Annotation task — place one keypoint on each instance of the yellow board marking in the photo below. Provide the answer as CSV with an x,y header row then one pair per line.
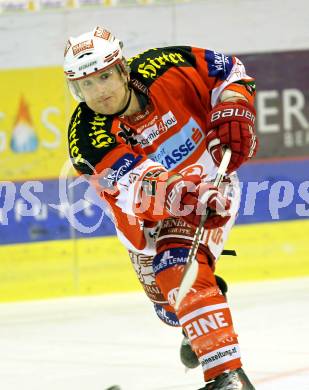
x,y
267,251
36,103
101,265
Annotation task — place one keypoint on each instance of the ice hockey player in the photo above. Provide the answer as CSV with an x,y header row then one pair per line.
x,y
148,133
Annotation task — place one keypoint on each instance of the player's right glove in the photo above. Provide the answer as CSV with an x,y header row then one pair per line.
x,y
188,198
232,124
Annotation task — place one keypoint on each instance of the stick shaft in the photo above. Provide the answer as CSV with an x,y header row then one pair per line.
x,y
188,278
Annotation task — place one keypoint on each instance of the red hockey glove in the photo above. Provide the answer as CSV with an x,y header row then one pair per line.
x,y
188,199
232,124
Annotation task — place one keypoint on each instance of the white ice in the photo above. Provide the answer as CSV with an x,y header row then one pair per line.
x,y
92,343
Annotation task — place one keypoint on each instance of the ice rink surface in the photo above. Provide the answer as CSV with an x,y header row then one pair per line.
x,y
92,343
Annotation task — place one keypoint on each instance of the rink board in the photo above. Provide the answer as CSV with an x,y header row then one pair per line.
x,y
42,256
101,265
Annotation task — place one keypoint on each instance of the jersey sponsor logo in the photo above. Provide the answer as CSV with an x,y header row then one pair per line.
x,y
150,67
168,317
205,324
120,168
180,146
150,134
170,258
145,126
74,149
99,136
125,164
143,267
140,86
219,356
219,65
169,119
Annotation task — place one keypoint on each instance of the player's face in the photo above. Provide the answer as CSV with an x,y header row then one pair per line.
x,y
105,92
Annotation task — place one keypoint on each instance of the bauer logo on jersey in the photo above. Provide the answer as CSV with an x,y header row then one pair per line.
x,y
150,134
219,65
180,146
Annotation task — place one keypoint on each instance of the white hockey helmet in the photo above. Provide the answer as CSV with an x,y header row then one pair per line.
x,y
89,53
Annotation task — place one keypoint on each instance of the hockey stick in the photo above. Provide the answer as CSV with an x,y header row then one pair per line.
x,y
191,268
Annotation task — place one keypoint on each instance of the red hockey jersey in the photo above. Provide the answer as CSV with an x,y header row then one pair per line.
x,y
181,85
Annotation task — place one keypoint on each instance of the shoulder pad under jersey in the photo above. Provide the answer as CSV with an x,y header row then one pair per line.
x,y
89,138
153,63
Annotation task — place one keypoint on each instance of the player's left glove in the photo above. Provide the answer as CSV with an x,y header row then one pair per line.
x,y
232,124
